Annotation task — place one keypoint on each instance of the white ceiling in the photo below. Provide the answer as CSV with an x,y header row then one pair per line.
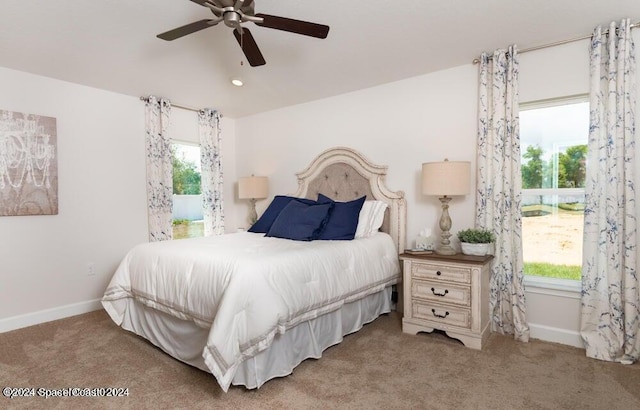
x,y
112,44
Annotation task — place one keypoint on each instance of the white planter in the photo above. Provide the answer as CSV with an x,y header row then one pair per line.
x,y
475,249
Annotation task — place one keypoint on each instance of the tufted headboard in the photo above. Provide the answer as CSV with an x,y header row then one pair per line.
x,y
343,174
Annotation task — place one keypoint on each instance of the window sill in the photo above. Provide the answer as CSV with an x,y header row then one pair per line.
x,y
553,286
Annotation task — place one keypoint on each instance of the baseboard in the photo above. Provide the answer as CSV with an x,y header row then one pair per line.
x,y
555,335
47,315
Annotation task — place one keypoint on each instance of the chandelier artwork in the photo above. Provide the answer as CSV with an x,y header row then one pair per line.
x,y
28,164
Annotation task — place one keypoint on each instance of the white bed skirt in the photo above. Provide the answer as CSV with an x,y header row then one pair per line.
x,y
185,341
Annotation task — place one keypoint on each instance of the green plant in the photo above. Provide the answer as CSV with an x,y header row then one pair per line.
x,y
181,222
472,235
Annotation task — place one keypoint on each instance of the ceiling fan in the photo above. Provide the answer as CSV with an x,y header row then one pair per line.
x,y
235,12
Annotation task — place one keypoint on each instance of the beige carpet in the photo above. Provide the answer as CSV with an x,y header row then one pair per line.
x,y
378,367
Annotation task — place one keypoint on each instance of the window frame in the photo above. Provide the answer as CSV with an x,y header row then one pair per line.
x,y
530,280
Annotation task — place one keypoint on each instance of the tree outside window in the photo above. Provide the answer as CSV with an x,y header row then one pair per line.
x,y
570,171
186,174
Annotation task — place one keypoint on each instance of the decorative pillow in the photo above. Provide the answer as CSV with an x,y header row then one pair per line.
x,y
300,221
370,218
263,224
343,220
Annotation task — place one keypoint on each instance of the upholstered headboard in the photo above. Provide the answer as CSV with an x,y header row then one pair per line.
x,y
344,174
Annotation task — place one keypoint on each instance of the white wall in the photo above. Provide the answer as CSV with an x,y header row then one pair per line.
x,y
406,123
102,198
102,212
401,125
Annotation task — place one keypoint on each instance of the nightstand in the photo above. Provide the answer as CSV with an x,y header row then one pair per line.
x,y
449,293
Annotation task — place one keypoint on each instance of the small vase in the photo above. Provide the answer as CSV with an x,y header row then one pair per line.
x,y
475,249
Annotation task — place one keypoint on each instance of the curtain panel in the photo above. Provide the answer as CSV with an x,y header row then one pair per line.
x,y
499,186
610,317
212,175
159,169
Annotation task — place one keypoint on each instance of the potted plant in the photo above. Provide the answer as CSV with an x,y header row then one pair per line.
x,y
476,242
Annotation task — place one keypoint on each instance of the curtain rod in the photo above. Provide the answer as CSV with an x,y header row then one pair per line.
x,y
557,43
184,107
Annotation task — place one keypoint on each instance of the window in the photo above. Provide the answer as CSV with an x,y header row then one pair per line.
x,y
187,198
553,138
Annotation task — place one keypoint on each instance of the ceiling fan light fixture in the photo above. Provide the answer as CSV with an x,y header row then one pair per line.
x,y
237,82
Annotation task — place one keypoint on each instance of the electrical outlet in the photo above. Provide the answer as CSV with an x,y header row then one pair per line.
x,y
91,269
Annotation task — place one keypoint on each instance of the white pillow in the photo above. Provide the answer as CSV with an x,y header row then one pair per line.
x,y
370,218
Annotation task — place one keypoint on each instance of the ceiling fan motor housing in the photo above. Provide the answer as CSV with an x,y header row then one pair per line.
x,y
232,19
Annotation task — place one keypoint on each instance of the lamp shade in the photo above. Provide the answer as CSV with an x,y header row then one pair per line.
x,y
446,178
253,187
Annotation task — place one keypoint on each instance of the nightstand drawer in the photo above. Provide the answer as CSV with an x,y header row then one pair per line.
x,y
443,314
422,270
441,292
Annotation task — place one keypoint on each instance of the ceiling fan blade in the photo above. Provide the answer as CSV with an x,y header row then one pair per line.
x,y
249,47
187,29
294,26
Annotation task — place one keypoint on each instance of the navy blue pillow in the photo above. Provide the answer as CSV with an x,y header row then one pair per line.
x,y
343,221
300,221
263,224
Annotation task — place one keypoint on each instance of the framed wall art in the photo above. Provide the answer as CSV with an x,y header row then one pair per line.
x,y
28,164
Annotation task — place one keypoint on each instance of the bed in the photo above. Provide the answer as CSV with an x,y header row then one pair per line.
x,y
270,303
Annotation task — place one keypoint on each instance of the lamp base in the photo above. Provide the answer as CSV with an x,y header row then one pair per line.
x,y
445,224
253,215
446,250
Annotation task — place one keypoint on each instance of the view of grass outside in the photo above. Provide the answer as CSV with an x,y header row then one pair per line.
x,y
549,270
554,147
183,228
552,240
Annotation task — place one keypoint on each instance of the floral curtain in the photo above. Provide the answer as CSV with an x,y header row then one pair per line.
x,y
211,163
499,188
159,169
610,289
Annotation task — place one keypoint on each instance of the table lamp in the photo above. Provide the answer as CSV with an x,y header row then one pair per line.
x,y
253,188
446,179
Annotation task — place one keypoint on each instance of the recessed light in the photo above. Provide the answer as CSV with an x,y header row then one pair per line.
x,y
237,82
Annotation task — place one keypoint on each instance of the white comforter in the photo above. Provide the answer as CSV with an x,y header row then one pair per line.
x,y
246,288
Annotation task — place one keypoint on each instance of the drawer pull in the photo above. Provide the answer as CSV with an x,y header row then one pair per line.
x,y
439,294
438,273
440,316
